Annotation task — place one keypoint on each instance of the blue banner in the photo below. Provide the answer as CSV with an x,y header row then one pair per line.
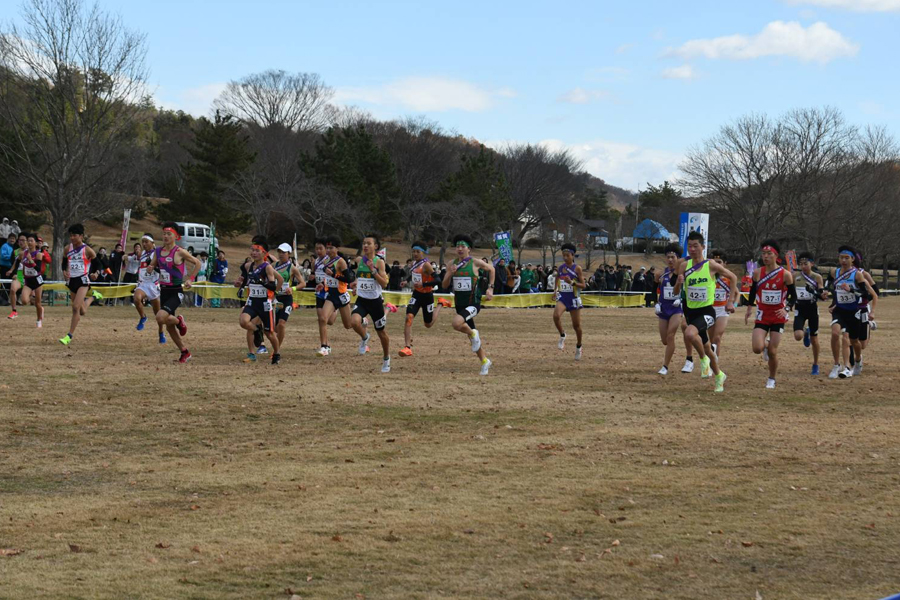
x,y
503,241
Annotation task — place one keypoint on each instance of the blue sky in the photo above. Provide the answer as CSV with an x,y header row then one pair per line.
x,y
627,86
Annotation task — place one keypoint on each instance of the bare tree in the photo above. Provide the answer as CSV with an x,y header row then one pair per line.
x,y
295,101
71,79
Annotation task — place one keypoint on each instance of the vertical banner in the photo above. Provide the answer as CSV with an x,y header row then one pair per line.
x,y
693,222
213,252
791,260
126,222
294,248
504,245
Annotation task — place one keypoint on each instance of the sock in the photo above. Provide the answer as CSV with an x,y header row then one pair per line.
x,y
484,361
578,345
689,358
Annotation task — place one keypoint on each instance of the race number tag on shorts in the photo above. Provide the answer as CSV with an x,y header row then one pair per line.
x,y
417,279
462,284
345,298
365,285
565,286
721,295
267,306
697,294
577,303
771,296
165,277
846,297
759,315
668,293
803,293
863,316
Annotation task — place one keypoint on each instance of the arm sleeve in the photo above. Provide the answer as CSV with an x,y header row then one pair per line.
x,y
270,285
752,299
791,295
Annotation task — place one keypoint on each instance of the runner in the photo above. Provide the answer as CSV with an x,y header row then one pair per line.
x,y
170,261
262,281
77,271
849,285
723,293
322,261
568,287
866,315
424,280
337,298
668,308
32,260
774,294
291,277
696,279
810,289
467,294
148,286
371,278
18,280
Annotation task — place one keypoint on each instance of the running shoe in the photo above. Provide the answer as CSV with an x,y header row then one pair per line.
x,y
364,344
857,368
276,358
663,371
258,336
65,341
182,326
486,366
835,372
476,340
765,354
815,370
386,365
688,366
13,315
141,323
720,382
391,307
807,341
322,351
704,367
262,349
446,303
562,342
578,353
406,351
185,356
162,338
846,374
97,295
40,324
251,358
770,384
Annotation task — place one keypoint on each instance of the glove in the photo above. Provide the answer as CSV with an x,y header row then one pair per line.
x,y
658,308
676,302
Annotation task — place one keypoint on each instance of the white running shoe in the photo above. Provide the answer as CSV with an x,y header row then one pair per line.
x,y
770,384
562,342
40,324
578,353
476,341
857,368
322,351
688,367
663,371
486,366
386,365
835,371
766,354
845,374
364,344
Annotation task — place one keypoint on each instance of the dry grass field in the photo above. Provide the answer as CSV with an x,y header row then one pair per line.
x,y
123,475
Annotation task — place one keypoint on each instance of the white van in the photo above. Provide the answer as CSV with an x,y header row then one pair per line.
x,y
195,237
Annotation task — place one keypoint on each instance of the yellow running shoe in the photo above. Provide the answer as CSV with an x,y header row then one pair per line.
x,y
704,367
720,381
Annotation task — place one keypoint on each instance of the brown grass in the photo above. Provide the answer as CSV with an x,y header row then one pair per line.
x,y
124,475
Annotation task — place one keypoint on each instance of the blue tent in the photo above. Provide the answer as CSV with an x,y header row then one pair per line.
x,y
650,229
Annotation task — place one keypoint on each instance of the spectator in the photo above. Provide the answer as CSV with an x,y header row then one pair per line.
x,y
511,274
528,278
611,283
600,278
650,293
638,284
115,261
5,228
14,228
395,277
626,279
541,278
201,275
133,264
7,252
220,268
517,281
500,278
306,272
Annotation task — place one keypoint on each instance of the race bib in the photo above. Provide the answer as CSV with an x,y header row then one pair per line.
x,y
320,277
30,272
577,303
257,291
331,282
565,286
721,295
267,306
366,285
770,297
697,294
286,288
803,294
846,297
863,316
40,280
345,298
462,284
165,277
417,279
668,293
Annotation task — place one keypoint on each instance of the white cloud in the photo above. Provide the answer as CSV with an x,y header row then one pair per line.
x,y
426,94
583,96
623,165
624,48
196,101
605,74
854,5
682,72
816,43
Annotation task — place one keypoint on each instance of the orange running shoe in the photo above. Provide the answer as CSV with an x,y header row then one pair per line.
x,y
406,351
443,302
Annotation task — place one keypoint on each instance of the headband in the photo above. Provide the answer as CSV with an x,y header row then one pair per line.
x,y
173,232
421,249
848,253
258,247
463,243
147,237
770,249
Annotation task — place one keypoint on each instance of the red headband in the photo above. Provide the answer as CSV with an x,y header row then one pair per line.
x,y
770,249
260,248
173,232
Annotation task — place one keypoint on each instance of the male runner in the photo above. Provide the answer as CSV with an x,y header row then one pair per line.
x,y
866,315
424,280
291,277
322,262
32,261
170,261
148,286
723,293
337,298
774,294
76,269
810,289
668,307
262,281
371,279
568,286
463,275
17,274
696,278
849,285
